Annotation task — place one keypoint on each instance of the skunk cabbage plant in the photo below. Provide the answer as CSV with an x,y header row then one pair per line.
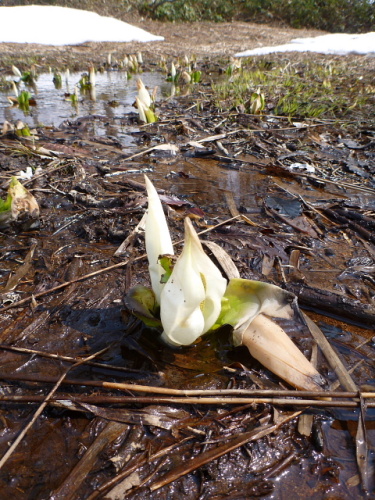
x,y
144,104
190,301
143,94
193,297
19,201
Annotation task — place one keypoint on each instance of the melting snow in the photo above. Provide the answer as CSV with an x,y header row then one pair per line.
x,y
339,44
63,26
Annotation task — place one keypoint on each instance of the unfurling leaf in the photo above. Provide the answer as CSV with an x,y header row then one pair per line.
x,y
146,115
167,262
141,301
245,299
19,201
244,305
196,76
150,116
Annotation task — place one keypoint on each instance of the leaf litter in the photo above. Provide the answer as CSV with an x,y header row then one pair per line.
x,y
63,284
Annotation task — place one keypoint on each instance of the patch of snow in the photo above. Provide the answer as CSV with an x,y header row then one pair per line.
x,y
49,25
337,43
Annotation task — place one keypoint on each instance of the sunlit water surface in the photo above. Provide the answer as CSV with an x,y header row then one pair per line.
x,y
115,95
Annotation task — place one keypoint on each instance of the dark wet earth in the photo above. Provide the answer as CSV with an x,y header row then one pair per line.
x,y
291,201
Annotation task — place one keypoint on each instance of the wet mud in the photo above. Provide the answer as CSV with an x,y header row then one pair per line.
x,y
245,182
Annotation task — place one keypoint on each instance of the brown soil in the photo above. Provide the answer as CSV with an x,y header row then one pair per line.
x,y
63,289
201,39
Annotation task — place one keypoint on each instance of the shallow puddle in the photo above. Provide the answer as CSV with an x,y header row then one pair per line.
x,y
115,96
285,232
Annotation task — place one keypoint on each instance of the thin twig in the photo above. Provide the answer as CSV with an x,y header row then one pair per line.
x,y
99,271
212,454
41,408
146,458
121,386
69,359
67,400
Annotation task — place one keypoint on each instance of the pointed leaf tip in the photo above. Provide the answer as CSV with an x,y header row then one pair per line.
x,y
157,238
191,299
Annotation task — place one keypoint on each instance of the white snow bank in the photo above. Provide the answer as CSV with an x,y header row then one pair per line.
x,y
63,26
339,44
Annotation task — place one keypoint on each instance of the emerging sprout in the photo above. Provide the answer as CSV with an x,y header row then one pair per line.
x,y
57,80
143,94
257,102
17,202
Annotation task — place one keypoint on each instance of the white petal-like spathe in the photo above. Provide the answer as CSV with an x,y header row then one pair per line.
x,y
143,94
158,239
141,110
190,302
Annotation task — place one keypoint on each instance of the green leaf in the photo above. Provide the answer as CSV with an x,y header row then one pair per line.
x,y
150,116
141,302
5,204
167,262
24,99
245,299
196,76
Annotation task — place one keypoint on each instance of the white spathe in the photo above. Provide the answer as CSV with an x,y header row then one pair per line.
x,y
190,301
157,236
52,25
143,94
336,43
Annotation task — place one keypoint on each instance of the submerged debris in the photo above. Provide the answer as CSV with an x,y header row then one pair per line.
x,y
119,418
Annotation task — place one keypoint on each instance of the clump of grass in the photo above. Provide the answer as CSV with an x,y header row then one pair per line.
x,y
303,90
331,15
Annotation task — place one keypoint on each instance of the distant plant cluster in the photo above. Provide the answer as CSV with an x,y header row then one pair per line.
x,y
349,16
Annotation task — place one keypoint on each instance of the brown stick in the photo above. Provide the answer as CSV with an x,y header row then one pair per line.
x,y
66,400
123,386
46,400
333,359
198,461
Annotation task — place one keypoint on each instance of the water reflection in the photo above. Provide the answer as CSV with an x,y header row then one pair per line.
x,y
53,105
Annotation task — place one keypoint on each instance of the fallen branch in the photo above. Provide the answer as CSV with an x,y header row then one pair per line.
x,y
121,386
68,400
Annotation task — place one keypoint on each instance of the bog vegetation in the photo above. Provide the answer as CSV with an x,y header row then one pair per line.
x,y
350,16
